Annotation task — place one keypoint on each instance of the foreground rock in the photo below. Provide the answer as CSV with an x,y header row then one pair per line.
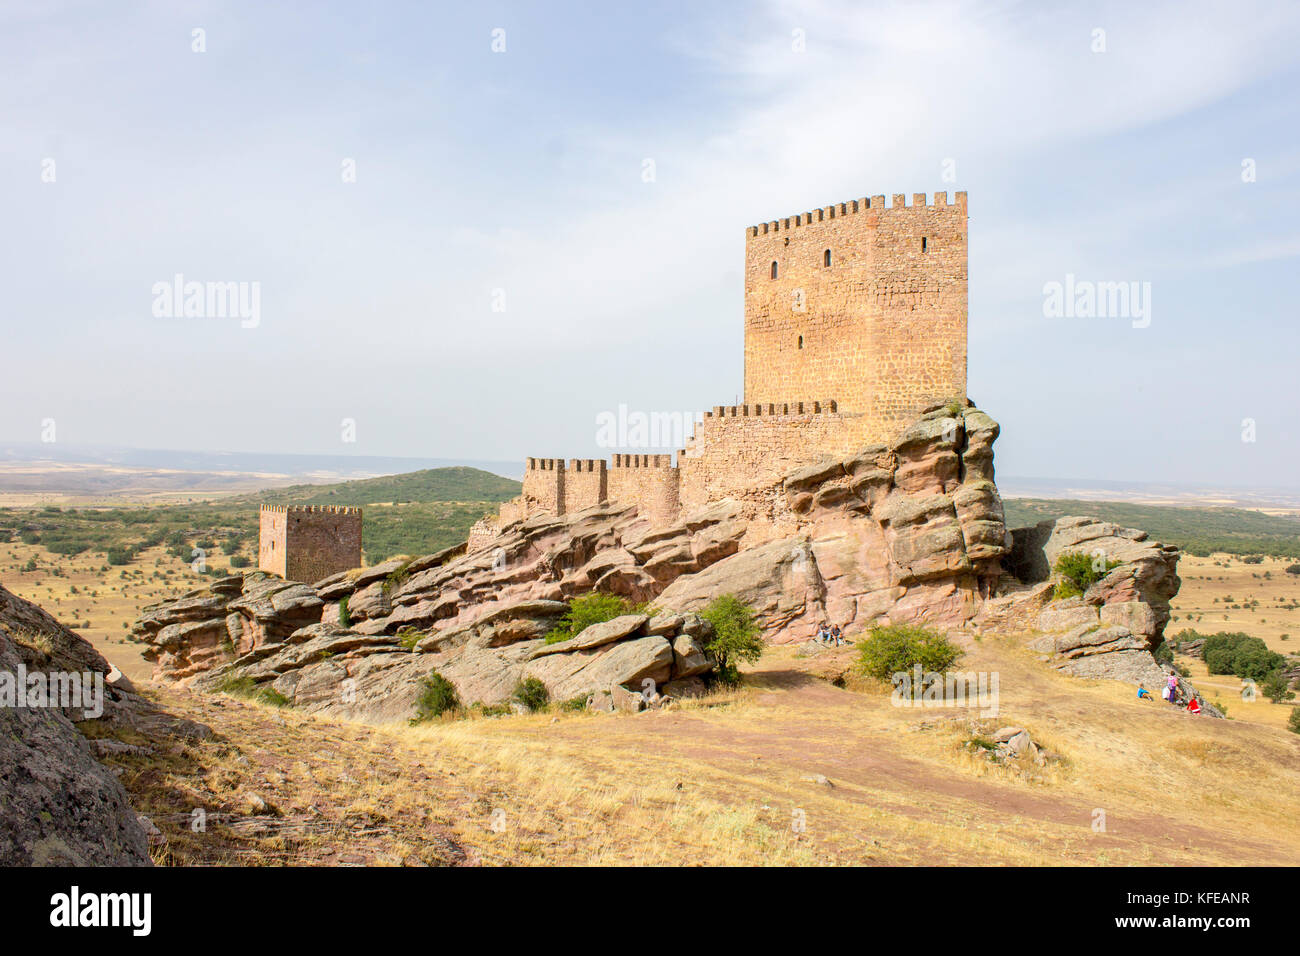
x,y
58,805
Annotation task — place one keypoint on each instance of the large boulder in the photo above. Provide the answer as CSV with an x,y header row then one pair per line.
x,y
58,805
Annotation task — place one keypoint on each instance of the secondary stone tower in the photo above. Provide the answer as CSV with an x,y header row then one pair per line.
x,y
308,543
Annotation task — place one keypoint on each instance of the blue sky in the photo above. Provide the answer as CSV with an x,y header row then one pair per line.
x,y
522,171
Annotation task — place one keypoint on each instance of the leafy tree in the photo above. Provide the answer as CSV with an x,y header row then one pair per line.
x,y
736,637
1277,688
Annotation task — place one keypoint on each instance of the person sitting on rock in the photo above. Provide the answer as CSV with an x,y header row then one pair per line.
x,y
837,634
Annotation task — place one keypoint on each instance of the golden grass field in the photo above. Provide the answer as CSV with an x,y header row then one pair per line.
x,y
733,780
727,780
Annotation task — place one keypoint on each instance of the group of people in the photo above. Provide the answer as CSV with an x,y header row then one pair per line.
x,y
829,634
1173,694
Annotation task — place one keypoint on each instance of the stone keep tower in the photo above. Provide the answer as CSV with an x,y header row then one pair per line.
x,y
862,303
308,543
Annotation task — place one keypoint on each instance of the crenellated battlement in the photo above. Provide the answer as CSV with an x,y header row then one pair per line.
x,y
642,461
853,206
587,464
312,509
546,464
774,409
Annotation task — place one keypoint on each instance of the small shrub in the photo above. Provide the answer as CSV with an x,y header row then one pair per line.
x,y
1080,571
897,648
593,608
437,697
1293,722
532,693
736,637
408,638
240,561
574,704
119,556
345,619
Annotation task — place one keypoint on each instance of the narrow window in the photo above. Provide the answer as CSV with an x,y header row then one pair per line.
x,y
773,268
923,243
801,341
826,259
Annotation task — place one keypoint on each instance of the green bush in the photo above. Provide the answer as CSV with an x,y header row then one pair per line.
x,y
1293,722
240,561
1241,655
345,619
532,693
897,648
119,555
593,608
437,697
736,637
1079,571
574,704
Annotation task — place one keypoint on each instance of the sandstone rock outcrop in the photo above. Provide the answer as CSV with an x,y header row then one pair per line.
x,y
912,531
1113,629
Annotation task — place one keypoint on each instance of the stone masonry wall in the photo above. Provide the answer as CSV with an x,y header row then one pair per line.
x,y
585,484
737,447
648,481
882,327
272,552
544,485
309,543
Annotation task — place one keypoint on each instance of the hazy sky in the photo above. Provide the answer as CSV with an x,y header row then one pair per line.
x,y
485,178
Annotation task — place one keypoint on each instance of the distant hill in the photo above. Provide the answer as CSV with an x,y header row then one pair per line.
x,y
1196,530
429,485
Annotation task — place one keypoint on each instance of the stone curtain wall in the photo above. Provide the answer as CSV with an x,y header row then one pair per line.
x,y
883,327
586,484
737,447
648,481
309,543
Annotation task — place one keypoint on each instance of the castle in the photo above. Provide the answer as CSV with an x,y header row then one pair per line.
x,y
308,543
855,321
